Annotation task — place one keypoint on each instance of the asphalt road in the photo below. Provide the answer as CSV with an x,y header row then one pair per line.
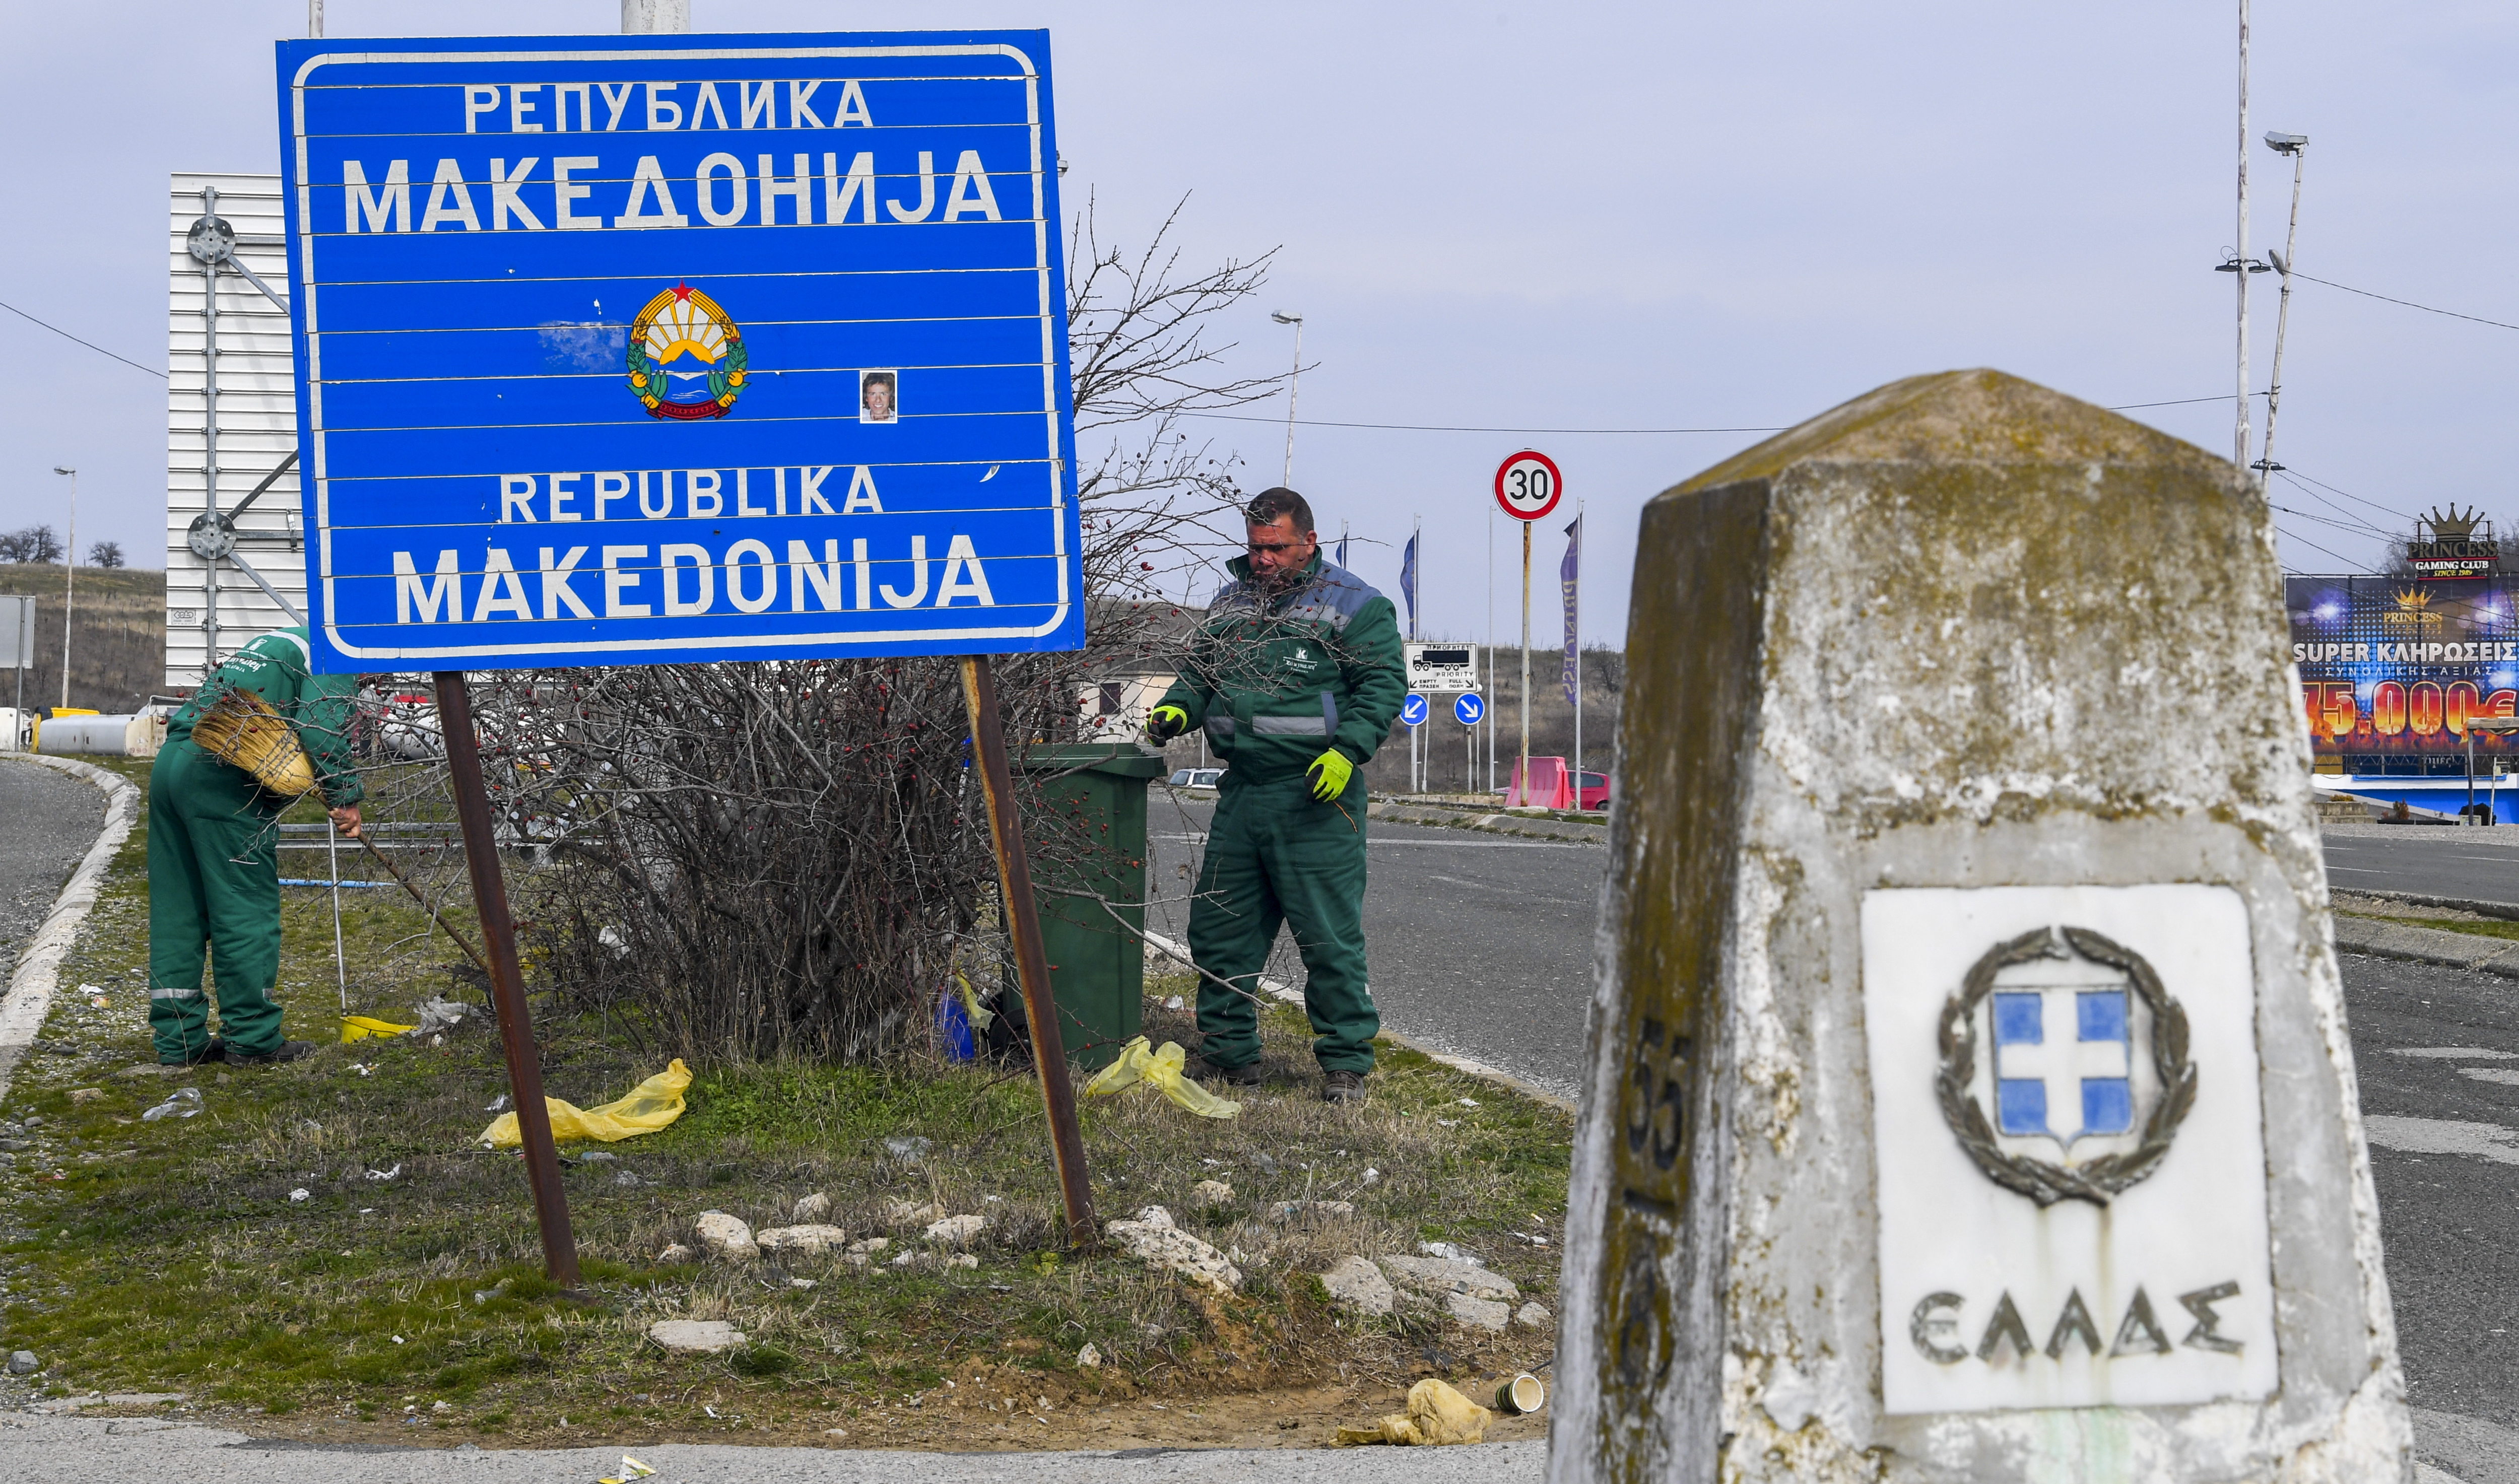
x,y
47,822
1478,945
2468,864
2438,1056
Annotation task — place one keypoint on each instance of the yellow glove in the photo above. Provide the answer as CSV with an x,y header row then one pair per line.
x,y
1165,722
1329,773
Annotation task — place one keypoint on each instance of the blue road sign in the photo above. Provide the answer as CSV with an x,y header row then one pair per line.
x,y
1413,710
638,349
1469,708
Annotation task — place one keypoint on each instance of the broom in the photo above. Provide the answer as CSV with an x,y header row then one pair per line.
x,y
243,731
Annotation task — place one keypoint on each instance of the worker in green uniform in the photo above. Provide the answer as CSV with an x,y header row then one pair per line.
x,y
214,861
1297,676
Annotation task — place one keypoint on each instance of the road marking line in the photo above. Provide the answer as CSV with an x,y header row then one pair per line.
x,y
2442,1136
2454,1053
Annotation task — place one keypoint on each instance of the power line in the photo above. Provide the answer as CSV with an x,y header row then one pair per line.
x,y
2408,303
2339,556
2296,476
66,335
1438,427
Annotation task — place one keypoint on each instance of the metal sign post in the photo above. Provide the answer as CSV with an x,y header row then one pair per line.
x,y
1528,487
763,354
1032,960
507,980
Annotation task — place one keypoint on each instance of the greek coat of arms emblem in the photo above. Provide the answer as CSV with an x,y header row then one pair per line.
x,y
2064,1066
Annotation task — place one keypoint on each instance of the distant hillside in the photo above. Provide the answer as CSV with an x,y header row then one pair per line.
x,y
117,635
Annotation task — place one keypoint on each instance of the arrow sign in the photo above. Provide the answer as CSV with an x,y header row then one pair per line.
x,y
1469,708
1413,711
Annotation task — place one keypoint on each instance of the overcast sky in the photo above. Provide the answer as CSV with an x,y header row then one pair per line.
x,y
1564,217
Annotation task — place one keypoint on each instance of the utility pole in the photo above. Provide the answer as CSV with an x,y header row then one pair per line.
x,y
1294,387
70,583
2297,146
2239,263
646,18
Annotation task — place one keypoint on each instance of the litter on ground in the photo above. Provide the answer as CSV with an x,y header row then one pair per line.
x,y
649,1107
1161,1070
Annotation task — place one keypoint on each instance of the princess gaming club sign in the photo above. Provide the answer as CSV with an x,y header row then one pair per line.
x,y
649,349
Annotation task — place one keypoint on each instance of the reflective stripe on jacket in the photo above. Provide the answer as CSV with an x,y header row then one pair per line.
x,y
1276,680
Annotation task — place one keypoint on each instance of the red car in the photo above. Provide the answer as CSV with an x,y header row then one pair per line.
x,y
1595,792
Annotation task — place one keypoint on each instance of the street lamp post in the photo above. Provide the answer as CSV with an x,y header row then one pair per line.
x,y
1294,385
70,582
2297,146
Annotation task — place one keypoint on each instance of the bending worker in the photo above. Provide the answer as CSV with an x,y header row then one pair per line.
x,y
1297,676
214,859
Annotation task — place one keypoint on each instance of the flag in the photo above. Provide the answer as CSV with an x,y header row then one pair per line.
x,y
1408,581
1568,574
1341,557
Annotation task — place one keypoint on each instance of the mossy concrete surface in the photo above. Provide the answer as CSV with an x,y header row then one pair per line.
x,y
1961,632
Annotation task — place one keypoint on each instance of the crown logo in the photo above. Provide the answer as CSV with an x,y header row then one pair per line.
x,y
2453,526
2414,601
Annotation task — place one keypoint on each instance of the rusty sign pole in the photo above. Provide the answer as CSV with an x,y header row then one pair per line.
x,y
1031,963
507,983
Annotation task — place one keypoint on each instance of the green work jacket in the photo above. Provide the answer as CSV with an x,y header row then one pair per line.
x,y
1278,679
277,668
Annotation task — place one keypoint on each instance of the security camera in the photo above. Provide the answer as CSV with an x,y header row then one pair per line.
x,y
2286,144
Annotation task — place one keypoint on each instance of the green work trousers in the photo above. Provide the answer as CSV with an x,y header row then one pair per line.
x,y
1275,854
214,883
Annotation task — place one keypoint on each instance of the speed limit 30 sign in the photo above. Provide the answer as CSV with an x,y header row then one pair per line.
x,y
1528,485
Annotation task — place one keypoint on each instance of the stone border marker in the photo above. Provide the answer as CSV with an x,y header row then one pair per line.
x,y
1969,1094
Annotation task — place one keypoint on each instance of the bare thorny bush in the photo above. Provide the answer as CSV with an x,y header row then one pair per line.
x,y
791,858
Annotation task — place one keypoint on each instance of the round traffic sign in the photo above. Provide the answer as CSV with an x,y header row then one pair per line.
x,y
1528,485
1469,708
1413,710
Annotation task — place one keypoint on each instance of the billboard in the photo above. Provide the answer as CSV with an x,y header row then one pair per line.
x,y
2392,669
638,349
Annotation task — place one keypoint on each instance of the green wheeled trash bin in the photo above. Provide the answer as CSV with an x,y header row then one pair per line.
x,y
1092,840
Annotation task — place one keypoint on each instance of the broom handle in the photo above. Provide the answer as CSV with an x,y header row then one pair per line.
x,y
461,940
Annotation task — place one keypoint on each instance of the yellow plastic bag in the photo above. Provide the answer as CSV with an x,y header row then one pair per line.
x,y
1162,1071
650,1106
359,1027
1436,1414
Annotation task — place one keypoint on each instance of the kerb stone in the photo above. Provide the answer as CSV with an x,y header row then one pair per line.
x,y
1969,1097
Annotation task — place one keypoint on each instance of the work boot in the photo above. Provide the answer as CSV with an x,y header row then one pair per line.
x,y
214,1050
1341,1087
287,1051
1204,1070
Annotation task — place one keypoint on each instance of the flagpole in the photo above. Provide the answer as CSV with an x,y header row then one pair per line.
x,y
1575,613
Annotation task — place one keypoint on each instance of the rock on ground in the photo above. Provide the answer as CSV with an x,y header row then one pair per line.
x,y
1299,1211
1153,1240
810,1238
22,1362
813,1208
1478,1313
1439,1276
675,1253
1213,1193
903,1213
954,1230
1533,1316
725,1238
1357,1284
695,1336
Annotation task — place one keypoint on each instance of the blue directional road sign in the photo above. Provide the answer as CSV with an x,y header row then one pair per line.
x,y
1470,709
637,349
1413,710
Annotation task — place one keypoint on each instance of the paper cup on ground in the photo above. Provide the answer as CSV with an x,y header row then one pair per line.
x,y
1520,1395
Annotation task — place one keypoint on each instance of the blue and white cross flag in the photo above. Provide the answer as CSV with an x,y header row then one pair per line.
x,y
642,349
2063,1063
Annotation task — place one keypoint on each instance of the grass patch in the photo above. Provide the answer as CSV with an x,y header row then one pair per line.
x,y
2479,927
180,1255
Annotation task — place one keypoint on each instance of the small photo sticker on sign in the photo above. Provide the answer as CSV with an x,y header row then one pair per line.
x,y
878,395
